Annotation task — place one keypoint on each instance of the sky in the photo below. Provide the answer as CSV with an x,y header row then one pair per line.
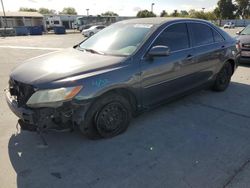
x,y
123,8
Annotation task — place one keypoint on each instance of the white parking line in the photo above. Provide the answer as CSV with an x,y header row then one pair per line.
x,y
30,48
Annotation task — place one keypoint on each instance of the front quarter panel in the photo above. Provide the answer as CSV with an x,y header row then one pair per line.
x,y
124,76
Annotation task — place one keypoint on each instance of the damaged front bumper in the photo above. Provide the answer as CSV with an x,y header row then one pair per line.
x,y
70,115
24,114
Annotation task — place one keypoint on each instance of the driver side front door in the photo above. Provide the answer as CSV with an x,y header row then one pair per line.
x,y
166,76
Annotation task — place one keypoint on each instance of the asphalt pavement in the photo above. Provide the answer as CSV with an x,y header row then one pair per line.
x,y
202,140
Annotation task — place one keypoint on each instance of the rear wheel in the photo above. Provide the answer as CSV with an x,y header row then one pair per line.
x,y
91,34
107,117
223,78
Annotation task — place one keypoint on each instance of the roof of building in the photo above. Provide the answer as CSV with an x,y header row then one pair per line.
x,y
22,14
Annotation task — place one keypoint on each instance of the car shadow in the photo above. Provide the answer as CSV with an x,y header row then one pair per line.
x,y
185,143
245,65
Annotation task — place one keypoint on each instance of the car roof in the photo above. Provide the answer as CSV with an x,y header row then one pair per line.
x,y
157,20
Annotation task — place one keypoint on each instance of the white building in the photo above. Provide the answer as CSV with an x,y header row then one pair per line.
x,y
14,19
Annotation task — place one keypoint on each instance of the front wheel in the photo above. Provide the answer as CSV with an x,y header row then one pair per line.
x,y
223,78
107,117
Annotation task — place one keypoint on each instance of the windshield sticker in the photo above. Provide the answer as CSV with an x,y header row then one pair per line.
x,y
143,25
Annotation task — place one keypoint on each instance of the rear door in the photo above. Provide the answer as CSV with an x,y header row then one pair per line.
x,y
209,49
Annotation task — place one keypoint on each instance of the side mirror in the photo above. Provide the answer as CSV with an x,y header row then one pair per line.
x,y
159,51
238,32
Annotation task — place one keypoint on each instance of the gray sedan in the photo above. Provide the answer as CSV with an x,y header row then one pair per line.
x,y
126,68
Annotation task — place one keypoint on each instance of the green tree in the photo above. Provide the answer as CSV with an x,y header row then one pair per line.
x,y
217,12
226,9
25,9
184,13
210,15
46,11
145,13
163,14
69,10
202,15
175,14
198,14
109,13
243,7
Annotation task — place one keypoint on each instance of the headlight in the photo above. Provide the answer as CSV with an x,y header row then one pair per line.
x,y
45,98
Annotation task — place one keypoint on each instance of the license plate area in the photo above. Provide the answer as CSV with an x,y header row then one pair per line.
x,y
245,53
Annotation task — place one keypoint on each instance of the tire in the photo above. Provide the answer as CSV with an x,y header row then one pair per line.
x,y
107,117
91,34
223,78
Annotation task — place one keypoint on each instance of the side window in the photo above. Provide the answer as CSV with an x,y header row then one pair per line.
x,y
217,37
175,37
201,34
100,27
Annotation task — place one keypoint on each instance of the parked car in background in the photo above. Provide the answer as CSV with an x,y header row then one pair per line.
x,y
229,25
92,30
128,67
244,44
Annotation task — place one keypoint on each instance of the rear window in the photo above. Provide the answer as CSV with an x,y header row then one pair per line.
x,y
201,34
175,37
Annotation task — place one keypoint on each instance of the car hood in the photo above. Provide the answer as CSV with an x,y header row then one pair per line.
x,y
243,38
86,30
60,65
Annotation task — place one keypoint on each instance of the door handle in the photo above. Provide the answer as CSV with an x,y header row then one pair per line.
x,y
189,57
222,46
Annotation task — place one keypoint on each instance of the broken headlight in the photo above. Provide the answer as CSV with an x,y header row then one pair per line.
x,y
51,97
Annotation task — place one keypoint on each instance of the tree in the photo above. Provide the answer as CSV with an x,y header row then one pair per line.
x,y
226,9
145,13
211,16
25,9
109,13
163,14
202,15
175,14
46,11
243,8
198,14
69,10
217,12
184,13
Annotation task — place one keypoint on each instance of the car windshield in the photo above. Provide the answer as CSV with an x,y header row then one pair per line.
x,y
246,31
93,27
118,39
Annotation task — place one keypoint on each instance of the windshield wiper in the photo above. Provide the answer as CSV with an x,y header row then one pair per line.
x,y
93,51
88,50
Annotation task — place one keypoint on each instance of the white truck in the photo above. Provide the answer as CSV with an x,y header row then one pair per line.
x,y
53,21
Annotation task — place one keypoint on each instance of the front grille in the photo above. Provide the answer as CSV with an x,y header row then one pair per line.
x,y
246,45
22,92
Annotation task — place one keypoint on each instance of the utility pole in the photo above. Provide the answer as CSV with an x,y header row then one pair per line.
x,y
152,7
4,17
